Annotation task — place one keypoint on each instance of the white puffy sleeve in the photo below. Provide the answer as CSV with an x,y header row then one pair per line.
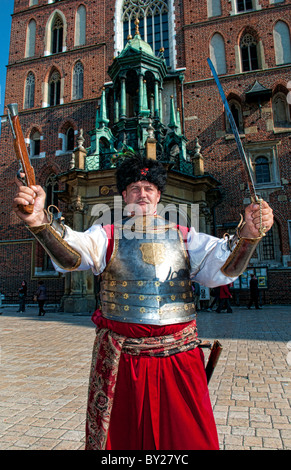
x,y
92,246
207,255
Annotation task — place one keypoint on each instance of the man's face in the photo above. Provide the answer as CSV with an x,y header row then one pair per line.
x,y
141,198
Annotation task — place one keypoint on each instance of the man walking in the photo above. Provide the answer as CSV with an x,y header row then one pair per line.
x,y
254,292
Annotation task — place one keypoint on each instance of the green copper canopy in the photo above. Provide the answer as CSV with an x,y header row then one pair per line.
x,y
137,43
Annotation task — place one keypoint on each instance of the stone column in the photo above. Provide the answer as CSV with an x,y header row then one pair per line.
x,y
123,99
156,98
78,298
140,94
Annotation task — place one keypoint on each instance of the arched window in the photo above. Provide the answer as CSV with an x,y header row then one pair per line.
x,y
262,170
30,39
57,35
153,23
281,110
236,111
29,91
51,187
78,81
249,53
70,138
217,53
282,43
55,89
213,8
34,144
80,26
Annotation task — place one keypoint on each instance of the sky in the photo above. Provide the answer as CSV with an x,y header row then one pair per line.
x,y
5,27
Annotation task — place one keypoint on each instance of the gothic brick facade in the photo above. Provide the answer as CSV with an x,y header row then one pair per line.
x,y
196,31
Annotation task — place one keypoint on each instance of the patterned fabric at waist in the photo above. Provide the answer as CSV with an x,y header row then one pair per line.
x,y
162,346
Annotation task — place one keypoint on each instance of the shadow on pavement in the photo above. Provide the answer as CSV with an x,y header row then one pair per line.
x,y
271,323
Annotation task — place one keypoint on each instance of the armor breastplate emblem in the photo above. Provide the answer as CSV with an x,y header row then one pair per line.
x,y
147,279
153,253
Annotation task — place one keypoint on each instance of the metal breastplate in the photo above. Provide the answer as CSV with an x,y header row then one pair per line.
x,y
147,279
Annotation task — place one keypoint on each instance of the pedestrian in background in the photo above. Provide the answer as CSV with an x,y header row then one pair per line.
x,y
41,297
22,293
215,294
254,292
224,299
196,291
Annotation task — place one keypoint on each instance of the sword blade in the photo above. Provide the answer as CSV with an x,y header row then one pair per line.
x,y
250,181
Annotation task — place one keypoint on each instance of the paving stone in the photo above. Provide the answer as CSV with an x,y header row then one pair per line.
x,y
45,363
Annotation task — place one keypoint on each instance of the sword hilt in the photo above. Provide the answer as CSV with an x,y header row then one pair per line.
x,y
262,229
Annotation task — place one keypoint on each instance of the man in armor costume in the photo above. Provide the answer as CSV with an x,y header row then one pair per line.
x,y
148,387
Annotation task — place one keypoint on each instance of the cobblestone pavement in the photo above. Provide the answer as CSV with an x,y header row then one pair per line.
x,y
44,369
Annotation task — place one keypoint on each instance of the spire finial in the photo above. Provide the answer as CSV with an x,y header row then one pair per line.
x,y
136,26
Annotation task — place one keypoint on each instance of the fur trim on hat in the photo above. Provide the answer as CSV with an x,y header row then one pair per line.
x,y
138,168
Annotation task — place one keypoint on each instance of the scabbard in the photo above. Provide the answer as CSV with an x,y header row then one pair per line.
x,y
213,359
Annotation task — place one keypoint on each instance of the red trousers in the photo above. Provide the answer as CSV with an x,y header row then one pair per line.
x,y
160,403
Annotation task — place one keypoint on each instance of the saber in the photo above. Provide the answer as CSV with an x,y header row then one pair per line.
x,y
250,181
232,123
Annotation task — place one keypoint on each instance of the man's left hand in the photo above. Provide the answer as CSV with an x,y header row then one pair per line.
x,y
256,218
